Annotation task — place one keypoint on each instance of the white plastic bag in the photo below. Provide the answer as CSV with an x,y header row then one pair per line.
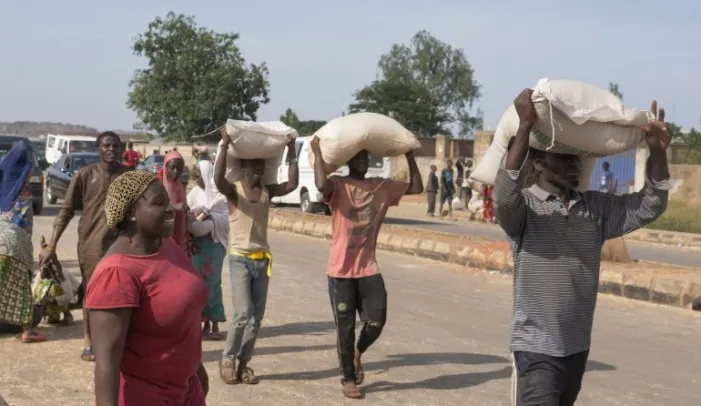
x,y
585,120
342,138
457,204
256,140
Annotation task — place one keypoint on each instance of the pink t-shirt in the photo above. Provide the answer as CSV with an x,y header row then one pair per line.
x,y
358,208
163,348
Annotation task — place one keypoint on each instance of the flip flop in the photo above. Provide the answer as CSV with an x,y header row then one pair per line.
x,y
87,354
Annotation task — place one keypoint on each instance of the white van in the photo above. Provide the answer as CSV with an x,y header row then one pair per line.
x,y
307,196
57,145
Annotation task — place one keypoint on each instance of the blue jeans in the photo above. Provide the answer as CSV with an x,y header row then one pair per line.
x,y
249,292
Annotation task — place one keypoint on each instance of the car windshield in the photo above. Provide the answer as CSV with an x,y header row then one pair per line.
x,y
82,146
81,161
157,159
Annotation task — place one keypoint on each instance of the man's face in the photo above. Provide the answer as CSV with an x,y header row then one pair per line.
x,y
109,149
606,166
561,170
449,164
359,163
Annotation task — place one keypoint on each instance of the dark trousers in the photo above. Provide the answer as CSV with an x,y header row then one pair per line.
x,y
542,380
431,196
366,296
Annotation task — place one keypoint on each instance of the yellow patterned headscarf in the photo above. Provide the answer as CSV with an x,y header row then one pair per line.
x,y
123,192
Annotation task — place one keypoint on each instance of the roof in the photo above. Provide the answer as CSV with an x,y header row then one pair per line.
x,y
76,137
9,137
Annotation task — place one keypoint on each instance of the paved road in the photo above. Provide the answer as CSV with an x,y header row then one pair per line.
x,y
642,251
445,343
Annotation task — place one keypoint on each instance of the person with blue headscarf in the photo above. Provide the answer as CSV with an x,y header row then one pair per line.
x,y
16,250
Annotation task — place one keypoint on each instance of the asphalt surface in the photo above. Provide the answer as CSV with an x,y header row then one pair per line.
x,y
641,251
444,344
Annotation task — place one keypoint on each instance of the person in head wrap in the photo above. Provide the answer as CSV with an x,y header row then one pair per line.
x,y
144,302
170,173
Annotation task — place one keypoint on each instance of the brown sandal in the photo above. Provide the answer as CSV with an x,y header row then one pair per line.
x,y
227,371
247,376
351,391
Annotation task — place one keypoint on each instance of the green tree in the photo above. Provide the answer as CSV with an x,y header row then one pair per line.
x,y
196,79
303,127
613,88
427,85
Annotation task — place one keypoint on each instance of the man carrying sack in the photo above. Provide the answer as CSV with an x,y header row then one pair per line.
x,y
358,207
557,234
250,260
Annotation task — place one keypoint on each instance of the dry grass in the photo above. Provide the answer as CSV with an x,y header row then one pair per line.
x,y
680,216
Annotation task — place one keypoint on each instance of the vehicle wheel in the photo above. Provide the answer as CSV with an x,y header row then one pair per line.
x,y
49,195
37,208
305,204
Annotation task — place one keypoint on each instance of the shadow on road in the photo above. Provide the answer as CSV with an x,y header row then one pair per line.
x,y
215,355
443,382
300,328
404,360
400,221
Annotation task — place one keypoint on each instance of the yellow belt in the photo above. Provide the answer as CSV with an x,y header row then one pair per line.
x,y
257,256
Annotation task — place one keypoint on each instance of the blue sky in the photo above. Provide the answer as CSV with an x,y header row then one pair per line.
x,y
71,61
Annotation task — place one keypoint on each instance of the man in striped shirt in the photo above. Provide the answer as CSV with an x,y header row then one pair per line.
x,y
556,235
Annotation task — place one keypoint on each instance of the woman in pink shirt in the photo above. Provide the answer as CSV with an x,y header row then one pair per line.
x,y
358,207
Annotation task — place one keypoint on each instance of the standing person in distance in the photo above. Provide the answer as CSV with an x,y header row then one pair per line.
x,y
86,193
447,188
358,208
250,260
556,234
431,190
131,157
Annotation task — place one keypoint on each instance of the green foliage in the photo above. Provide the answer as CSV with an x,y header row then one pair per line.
x,y
196,79
428,86
306,127
681,217
613,88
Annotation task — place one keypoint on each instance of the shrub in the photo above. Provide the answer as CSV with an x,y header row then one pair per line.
x,y
680,216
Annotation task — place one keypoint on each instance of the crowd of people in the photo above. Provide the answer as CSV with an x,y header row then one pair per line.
x,y
151,258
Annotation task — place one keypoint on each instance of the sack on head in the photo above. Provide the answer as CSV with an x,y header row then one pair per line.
x,y
256,140
342,138
573,118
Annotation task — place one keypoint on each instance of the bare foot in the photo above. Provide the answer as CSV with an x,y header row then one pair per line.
x,y
359,372
351,391
227,372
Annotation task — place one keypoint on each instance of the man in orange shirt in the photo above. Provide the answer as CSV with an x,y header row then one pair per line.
x,y
358,207
131,157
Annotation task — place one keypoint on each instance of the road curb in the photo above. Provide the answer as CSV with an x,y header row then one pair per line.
x,y
630,282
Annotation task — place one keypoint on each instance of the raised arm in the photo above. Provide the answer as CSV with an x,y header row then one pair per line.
x,y
627,213
223,185
325,186
109,332
509,203
281,189
416,183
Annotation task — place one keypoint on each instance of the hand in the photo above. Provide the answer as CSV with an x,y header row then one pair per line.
x,y
525,108
409,155
48,254
291,144
225,136
315,145
657,134
196,212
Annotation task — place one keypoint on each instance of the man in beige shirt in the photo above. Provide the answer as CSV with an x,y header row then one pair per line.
x,y
250,261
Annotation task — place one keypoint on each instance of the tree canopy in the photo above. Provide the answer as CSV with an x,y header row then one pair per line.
x,y
427,85
613,88
196,79
303,127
